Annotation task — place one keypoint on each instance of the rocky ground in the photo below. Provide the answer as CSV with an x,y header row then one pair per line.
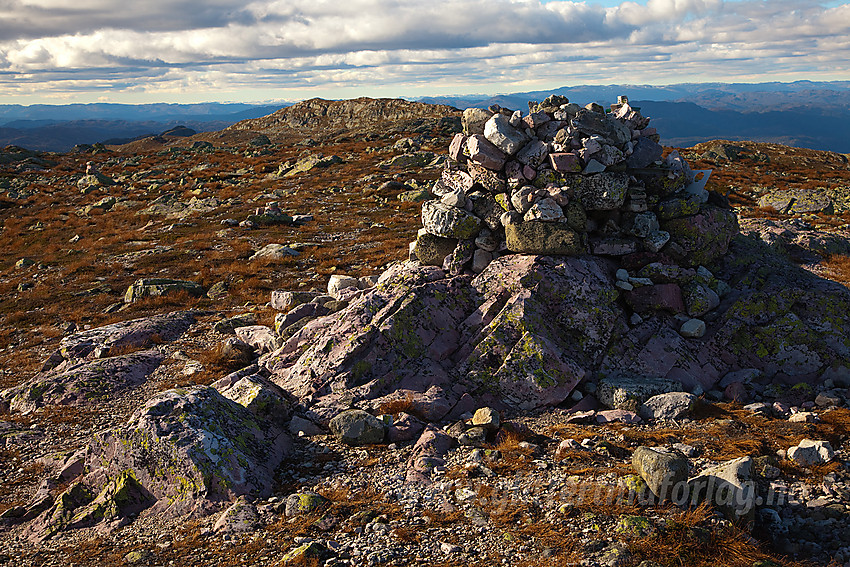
x,y
563,485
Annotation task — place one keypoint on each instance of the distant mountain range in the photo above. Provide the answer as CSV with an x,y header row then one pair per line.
x,y
805,114
58,128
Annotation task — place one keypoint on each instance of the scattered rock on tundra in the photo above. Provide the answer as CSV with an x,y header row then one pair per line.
x,y
665,472
357,427
808,452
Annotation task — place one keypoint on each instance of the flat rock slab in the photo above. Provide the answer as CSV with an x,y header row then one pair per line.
x,y
83,382
136,333
797,202
156,287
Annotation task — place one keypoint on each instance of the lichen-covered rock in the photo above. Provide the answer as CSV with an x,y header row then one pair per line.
x,y
461,256
443,220
603,191
530,358
156,287
258,395
699,299
241,517
83,382
304,503
432,250
797,202
703,237
486,179
486,208
678,207
537,237
137,333
82,370
357,427
474,120
533,154
191,449
306,553
230,324
308,163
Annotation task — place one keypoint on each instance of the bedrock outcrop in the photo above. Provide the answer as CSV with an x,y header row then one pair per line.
x,y
525,331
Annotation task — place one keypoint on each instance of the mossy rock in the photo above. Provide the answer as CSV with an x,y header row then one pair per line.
x,y
304,503
633,526
535,237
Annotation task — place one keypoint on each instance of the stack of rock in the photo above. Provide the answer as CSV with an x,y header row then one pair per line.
x,y
566,179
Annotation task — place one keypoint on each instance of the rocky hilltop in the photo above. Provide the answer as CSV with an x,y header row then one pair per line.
x,y
317,116
242,348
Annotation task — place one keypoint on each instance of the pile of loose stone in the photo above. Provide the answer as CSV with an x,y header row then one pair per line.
x,y
563,179
568,180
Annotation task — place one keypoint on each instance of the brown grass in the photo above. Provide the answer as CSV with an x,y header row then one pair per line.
x,y
837,268
401,405
220,359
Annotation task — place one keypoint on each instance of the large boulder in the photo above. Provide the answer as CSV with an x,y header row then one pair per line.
x,y
83,382
182,452
527,328
357,427
729,488
91,365
192,449
136,333
493,335
156,287
665,472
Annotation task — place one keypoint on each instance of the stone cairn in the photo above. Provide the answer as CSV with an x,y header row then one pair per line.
x,y
571,180
563,179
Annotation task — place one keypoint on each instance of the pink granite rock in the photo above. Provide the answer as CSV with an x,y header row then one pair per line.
x,y
565,162
617,415
481,151
659,297
456,148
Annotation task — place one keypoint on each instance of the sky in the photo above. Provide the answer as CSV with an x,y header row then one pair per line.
x,y
61,51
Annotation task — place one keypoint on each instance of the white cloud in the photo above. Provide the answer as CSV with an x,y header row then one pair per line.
x,y
219,45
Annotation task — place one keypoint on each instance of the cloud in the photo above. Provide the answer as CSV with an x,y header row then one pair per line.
x,y
221,45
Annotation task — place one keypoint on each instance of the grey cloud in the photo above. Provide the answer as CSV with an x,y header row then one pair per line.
x,y
222,44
